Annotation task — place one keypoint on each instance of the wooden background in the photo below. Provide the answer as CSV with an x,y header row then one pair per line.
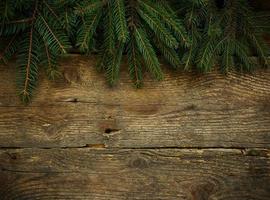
x,y
191,137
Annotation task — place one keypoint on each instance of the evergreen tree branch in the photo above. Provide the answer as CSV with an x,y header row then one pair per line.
x,y
51,10
148,53
120,20
9,50
135,68
27,79
51,35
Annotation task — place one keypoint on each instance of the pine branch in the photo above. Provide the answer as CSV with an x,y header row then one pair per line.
x,y
148,53
51,71
14,27
261,49
28,69
9,50
25,92
120,20
159,29
172,21
135,67
168,53
112,70
52,11
89,7
49,35
19,21
206,56
87,31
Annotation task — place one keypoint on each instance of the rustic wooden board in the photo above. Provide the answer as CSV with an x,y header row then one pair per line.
x,y
184,110
169,174
190,137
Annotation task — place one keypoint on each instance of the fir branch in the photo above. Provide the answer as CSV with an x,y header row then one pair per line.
x,y
148,53
52,11
19,21
89,7
30,74
51,71
159,29
135,68
8,51
25,92
52,34
86,32
112,71
120,20
172,21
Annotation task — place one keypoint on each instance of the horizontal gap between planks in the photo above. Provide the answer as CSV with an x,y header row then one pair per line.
x,y
138,148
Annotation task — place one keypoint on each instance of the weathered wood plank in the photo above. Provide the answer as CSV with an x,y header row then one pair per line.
x,y
83,84
134,174
138,136
83,124
184,110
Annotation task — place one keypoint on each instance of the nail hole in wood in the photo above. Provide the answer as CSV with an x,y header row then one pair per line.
x,y
110,130
191,107
12,156
74,100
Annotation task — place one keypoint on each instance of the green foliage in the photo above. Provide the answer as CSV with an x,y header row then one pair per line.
x,y
33,31
226,34
187,33
139,28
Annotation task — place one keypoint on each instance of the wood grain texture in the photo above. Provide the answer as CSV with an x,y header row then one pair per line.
x,y
183,110
190,137
167,174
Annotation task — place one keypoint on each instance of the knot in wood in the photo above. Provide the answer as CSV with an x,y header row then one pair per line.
x,y
139,163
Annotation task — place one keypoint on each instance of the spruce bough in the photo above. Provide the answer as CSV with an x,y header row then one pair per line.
x,y
33,32
187,34
224,33
138,28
